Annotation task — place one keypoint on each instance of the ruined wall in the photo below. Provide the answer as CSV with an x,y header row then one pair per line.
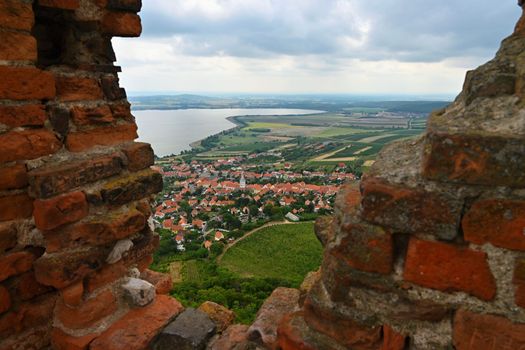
x,y
74,187
433,254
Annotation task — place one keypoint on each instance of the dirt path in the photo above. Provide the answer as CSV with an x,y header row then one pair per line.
x,y
273,223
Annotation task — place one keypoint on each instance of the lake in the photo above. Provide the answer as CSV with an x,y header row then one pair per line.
x,y
172,131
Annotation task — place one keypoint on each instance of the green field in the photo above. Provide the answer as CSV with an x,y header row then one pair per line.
x,y
287,252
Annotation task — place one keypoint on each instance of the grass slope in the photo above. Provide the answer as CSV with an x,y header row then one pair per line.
x,y
282,251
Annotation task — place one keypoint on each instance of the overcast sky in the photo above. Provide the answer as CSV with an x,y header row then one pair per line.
x,y
312,46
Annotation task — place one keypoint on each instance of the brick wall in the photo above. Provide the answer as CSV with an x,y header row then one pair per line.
x,y
433,255
74,186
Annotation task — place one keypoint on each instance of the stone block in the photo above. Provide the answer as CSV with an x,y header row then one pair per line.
x,y
57,211
219,314
104,136
138,292
191,330
133,187
27,144
449,268
500,222
26,83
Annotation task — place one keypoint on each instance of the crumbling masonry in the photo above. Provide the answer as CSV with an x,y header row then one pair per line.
x,y
431,256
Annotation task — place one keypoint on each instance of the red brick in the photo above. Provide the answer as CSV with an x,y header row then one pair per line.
x,y
26,83
59,178
8,236
60,4
124,5
77,89
73,294
27,144
57,211
162,281
99,230
138,327
65,268
28,315
133,187
519,282
92,116
16,206
139,155
27,287
63,341
26,115
474,331
346,331
13,177
392,340
12,264
475,159
88,313
366,248
104,136
409,210
497,221
105,275
446,267
5,299
16,14
122,111
121,24
17,47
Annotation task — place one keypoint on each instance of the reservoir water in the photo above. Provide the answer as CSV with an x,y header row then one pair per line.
x,y
172,131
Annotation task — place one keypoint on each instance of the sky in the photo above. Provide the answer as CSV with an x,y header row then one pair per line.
x,y
413,47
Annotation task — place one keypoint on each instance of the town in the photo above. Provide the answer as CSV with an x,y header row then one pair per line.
x,y
207,202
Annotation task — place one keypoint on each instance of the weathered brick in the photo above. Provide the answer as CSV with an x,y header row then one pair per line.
x,y
15,14
57,211
519,282
140,156
16,206
5,299
138,327
365,247
409,210
500,222
60,4
16,46
77,89
98,230
26,83
73,295
446,267
122,24
474,331
28,315
59,178
13,177
88,313
105,136
59,119
25,115
27,287
162,281
124,5
111,88
65,268
8,236
27,144
476,160
392,340
133,187
92,116
122,111
16,263
64,341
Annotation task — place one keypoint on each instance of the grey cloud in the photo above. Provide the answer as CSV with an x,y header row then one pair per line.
x,y
403,30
